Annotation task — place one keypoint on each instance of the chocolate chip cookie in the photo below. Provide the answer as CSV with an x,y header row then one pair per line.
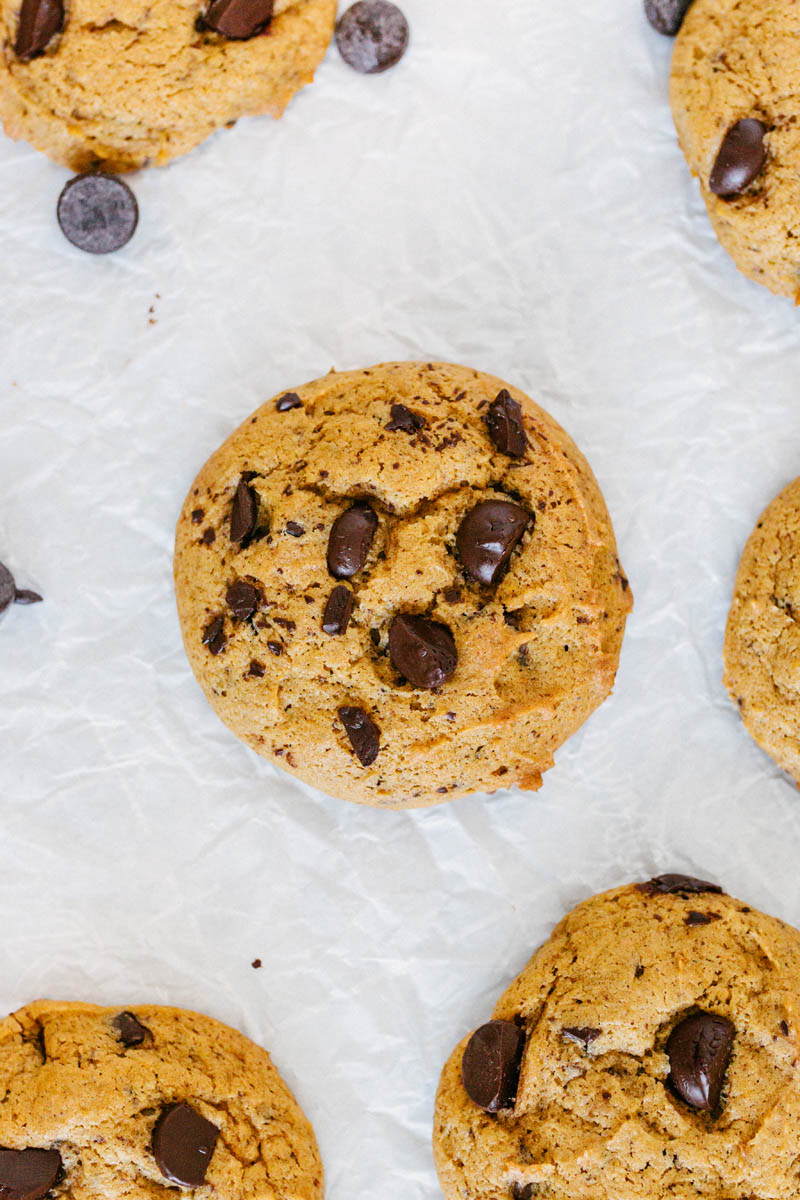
x,y
736,103
120,84
401,584
648,1049
142,1102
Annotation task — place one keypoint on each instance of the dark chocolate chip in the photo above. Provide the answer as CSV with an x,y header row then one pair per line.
x,y
183,1144
39,22
677,885
452,595
403,419
338,610
130,1031
699,1049
521,1191
375,637
256,669
350,540
488,536
25,596
506,429
423,651
294,529
98,213
784,1028
197,515
209,536
238,19
699,918
256,964
288,401
242,599
244,513
363,733
8,589
666,15
741,158
372,36
28,1174
214,635
582,1035
275,648
491,1065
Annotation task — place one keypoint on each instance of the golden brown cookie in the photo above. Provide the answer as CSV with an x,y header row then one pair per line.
x,y
648,1049
735,94
401,584
133,83
143,1103
762,639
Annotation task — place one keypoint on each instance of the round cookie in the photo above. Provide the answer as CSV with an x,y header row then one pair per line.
x,y
134,83
762,638
736,61
648,1049
130,1103
401,584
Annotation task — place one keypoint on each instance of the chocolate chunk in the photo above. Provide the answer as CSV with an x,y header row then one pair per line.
x,y
288,401
275,648
238,19
666,15
677,885
350,540
406,420
8,589
25,596
28,1174
256,670
214,635
372,36
741,158
363,733
582,1035
294,529
488,536
423,651
506,430
39,21
197,515
244,513
183,1143
98,213
130,1031
699,1049
698,918
491,1065
242,599
338,611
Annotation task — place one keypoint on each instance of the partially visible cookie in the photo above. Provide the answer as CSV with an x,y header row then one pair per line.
x,y
140,1102
649,1049
401,584
762,638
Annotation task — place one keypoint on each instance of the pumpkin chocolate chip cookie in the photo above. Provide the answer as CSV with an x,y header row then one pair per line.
x,y
401,584
142,1102
648,1049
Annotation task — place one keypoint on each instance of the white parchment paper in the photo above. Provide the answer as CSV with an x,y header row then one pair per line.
x,y
510,197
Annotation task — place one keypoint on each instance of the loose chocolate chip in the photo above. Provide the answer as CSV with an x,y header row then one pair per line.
x,y
131,1032
582,1035
294,529
214,635
242,599
24,596
238,19
423,651
677,885
699,1049
491,1065
666,15
28,1174
256,964
256,669
244,513
363,733
372,36
98,213
8,589
338,611
183,1143
406,420
698,918
39,21
488,536
741,158
350,540
288,401
506,430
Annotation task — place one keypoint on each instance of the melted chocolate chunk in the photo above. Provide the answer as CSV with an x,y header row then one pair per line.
x,y
350,540
244,512
422,651
741,158
403,419
372,36
130,1030
39,22
28,1174
677,885
242,599
699,1049
491,1065
214,635
338,611
488,536
506,429
582,1035
183,1144
98,213
288,401
238,19
363,733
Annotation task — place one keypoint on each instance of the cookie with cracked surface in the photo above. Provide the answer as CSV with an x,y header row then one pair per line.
x,y
648,1049
432,599
735,95
135,1103
121,84
762,638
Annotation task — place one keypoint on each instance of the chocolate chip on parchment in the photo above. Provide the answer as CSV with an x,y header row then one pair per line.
x,y
488,536
350,540
28,1174
666,15
130,1030
363,733
214,635
256,964
242,599
288,401
699,1049
8,589
699,918
491,1065
338,611
677,885
26,596
98,213
582,1035
403,419
741,158
504,420
421,650
372,36
238,19
39,22
244,512
183,1144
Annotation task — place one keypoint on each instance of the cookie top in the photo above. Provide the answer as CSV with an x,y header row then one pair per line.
x,y
128,1103
401,584
657,1052
134,83
736,61
762,638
